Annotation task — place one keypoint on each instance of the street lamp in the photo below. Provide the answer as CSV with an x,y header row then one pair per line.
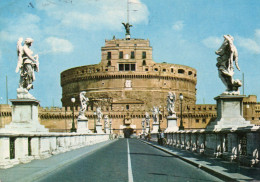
x,y
95,131
181,127
110,125
73,129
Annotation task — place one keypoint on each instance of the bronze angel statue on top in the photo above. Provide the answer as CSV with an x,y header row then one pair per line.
x,y
27,64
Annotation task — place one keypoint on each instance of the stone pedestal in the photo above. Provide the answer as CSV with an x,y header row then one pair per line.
x,y
147,129
107,130
24,117
155,128
83,125
172,124
99,128
229,113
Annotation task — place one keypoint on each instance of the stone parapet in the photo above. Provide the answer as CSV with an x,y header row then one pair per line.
x,y
22,148
241,145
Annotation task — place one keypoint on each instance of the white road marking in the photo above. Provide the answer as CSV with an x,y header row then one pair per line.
x,y
130,173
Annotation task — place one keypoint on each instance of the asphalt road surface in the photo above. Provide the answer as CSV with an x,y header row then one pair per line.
x,y
128,160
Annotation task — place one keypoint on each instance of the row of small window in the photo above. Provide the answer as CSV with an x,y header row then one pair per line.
x,y
121,55
203,120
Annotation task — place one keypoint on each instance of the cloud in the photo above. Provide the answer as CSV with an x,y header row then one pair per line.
x,y
178,26
25,26
58,45
251,44
96,15
212,42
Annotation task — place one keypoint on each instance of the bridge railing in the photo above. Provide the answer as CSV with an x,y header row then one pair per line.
x,y
22,148
241,145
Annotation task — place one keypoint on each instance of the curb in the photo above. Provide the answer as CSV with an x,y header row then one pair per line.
x,y
202,167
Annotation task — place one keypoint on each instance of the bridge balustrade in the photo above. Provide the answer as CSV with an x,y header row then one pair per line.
x,y
22,148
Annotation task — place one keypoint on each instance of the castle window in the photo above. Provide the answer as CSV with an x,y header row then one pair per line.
x,y
132,67
146,69
127,107
197,120
164,70
121,67
97,70
117,45
126,67
203,120
144,63
172,70
190,73
155,69
253,118
181,71
144,55
106,69
120,54
132,54
195,75
108,55
108,63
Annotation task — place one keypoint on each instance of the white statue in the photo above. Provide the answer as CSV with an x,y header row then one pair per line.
x,y
170,102
83,102
147,118
156,113
227,55
106,121
99,115
27,63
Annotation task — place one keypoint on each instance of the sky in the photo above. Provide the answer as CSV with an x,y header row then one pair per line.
x,y
70,33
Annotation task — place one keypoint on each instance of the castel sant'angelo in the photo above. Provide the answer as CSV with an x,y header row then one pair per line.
x,y
126,84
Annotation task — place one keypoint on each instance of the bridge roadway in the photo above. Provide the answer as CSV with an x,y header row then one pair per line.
x,y
128,160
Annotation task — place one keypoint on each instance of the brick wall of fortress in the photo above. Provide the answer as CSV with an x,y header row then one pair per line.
x,y
151,87
60,119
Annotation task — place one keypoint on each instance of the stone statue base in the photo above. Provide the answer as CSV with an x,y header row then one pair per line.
x,y
172,124
23,93
99,128
147,129
83,125
155,128
107,130
24,117
229,113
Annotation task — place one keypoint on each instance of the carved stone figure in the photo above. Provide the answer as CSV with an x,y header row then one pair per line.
x,y
127,28
227,55
170,102
99,115
83,102
27,64
147,119
106,121
156,113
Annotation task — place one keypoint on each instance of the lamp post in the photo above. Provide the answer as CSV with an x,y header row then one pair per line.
x,y
95,131
73,129
181,127
110,125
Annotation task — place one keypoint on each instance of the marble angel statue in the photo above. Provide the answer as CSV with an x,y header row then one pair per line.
x,y
99,115
83,102
171,102
228,55
27,64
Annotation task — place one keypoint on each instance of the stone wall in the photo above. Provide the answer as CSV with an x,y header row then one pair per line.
x,y
23,148
241,145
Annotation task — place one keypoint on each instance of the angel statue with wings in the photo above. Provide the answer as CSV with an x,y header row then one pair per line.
x,y
227,54
170,103
83,101
27,64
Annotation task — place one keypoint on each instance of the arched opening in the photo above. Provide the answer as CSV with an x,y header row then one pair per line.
x,y
128,132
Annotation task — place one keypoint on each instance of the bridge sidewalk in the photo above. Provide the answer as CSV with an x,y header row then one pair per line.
x,y
225,170
38,168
